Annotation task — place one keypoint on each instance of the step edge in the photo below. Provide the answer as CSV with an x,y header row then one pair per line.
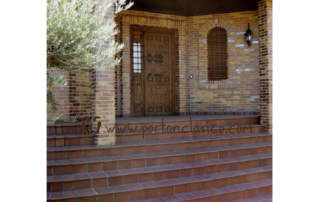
x,y
219,191
197,119
151,143
215,128
156,155
178,167
153,185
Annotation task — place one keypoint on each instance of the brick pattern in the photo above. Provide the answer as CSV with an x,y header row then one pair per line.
x,y
75,98
118,72
62,95
81,94
249,69
90,93
195,150
103,101
222,167
104,104
265,62
238,94
231,162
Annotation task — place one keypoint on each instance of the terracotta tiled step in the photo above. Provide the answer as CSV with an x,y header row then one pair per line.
x,y
66,128
187,133
69,140
76,128
73,152
259,198
154,173
167,187
187,121
59,167
259,191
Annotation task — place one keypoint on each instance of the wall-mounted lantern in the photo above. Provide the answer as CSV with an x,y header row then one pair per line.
x,y
248,35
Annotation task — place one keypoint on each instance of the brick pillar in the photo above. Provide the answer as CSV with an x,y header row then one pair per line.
x,y
265,62
183,82
104,104
126,69
80,94
103,81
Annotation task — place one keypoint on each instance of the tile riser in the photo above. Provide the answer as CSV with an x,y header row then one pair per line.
x,y
230,197
125,138
146,162
77,128
161,175
193,165
74,154
63,140
183,188
70,141
60,129
193,122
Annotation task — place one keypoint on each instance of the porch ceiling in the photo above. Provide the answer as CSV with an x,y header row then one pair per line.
x,y
194,7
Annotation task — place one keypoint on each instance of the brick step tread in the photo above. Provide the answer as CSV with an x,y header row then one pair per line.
x,y
139,120
156,184
261,198
68,136
155,154
155,169
157,142
73,135
188,129
200,195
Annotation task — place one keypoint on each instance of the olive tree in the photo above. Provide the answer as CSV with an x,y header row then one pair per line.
x,y
80,34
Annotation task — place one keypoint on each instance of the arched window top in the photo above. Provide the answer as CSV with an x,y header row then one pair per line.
x,y
217,31
217,54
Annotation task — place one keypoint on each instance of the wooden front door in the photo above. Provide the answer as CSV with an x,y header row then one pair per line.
x,y
153,68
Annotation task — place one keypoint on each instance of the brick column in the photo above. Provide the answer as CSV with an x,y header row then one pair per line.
x,y
183,76
265,62
103,81
126,68
104,104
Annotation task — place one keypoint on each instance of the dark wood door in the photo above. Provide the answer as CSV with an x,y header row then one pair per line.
x,y
157,74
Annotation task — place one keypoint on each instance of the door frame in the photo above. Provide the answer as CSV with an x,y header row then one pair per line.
x,y
174,66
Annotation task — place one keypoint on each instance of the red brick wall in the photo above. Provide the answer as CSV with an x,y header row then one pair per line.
x,y
62,95
74,99
81,94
